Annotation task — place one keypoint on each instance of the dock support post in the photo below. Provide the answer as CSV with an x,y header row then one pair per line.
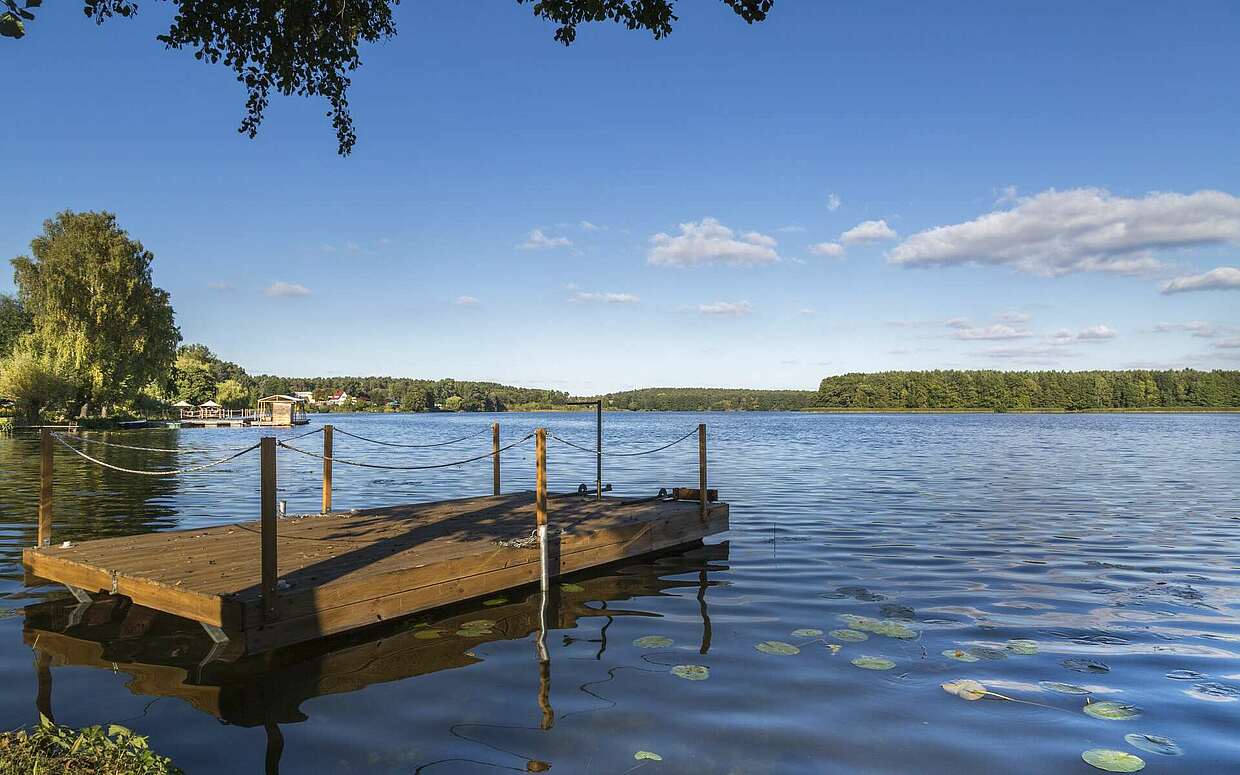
x,y
540,502
45,487
495,458
702,469
598,476
268,520
327,469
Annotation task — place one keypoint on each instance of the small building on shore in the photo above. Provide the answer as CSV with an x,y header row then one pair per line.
x,y
280,410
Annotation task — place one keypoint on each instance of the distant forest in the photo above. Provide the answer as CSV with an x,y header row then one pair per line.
x,y
1016,390
709,399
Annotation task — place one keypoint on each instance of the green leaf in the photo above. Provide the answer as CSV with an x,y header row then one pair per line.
x,y
572,588
1063,688
495,601
852,636
777,647
11,26
873,663
1112,711
1023,647
647,756
653,642
117,729
960,655
806,632
1113,761
427,634
691,672
1153,744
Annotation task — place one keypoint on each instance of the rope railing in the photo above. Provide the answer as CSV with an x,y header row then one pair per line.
x,y
625,454
304,435
412,446
360,464
102,443
160,472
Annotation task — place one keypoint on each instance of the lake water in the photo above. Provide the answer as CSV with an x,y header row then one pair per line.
x,y
1053,551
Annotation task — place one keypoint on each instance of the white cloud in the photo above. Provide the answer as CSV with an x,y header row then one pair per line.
x,y
539,241
868,231
587,226
1082,230
1006,196
1223,278
466,301
1097,333
790,229
1031,353
726,308
606,298
1232,343
1014,316
833,202
993,332
833,249
284,289
710,242
1198,328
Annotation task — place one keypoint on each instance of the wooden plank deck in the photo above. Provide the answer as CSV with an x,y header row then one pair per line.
x,y
347,570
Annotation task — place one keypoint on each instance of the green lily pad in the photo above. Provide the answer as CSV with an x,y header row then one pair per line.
x,y
1063,688
495,601
574,588
886,627
1023,647
806,632
1214,692
986,652
965,689
1153,744
1085,665
653,642
472,633
1113,761
647,756
852,636
691,672
426,634
959,655
777,647
474,624
1112,711
873,663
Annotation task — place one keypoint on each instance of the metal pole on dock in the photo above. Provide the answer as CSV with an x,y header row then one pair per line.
x,y
702,468
495,458
327,468
45,487
267,478
598,481
540,501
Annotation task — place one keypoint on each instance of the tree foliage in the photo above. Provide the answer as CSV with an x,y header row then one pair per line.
x,y
14,323
709,399
33,383
1003,390
94,307
310,48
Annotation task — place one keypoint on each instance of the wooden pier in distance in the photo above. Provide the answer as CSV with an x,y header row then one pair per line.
x,y
281,581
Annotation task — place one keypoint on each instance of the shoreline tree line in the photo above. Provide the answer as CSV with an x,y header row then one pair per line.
x,y
90,335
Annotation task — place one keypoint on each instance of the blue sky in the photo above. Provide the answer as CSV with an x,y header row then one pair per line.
x,y
628,212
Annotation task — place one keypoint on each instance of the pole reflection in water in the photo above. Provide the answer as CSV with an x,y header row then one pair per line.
x,y
172,657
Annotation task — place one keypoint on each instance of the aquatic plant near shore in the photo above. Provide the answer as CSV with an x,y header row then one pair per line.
x,y
50,747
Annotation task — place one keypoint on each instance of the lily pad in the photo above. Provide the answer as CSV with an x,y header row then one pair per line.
x,y
691,672
885,627
965,689
495,601
574,588
777,647
1085,666
1154,744
986,652
653,642
1023,647
476,624
1113,761
1112,711
834,647
647,756
1212,692
1063,688
852,636
894,611
806,632
427,634
873,663
1185,675
960,655
466,632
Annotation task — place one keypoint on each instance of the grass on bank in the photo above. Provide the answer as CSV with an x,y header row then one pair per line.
x,y
50,748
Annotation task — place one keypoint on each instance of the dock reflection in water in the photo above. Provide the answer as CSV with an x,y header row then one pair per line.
x,y
168,656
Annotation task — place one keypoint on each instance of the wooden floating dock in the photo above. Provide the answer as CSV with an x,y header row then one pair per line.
x,y
281,581
346,570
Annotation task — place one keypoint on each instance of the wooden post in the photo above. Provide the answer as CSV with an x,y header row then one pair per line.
x,y
702,468
495,458
540,478
45,487
327,468
268,521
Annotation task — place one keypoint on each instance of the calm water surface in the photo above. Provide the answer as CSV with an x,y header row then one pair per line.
x,y
1111,543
